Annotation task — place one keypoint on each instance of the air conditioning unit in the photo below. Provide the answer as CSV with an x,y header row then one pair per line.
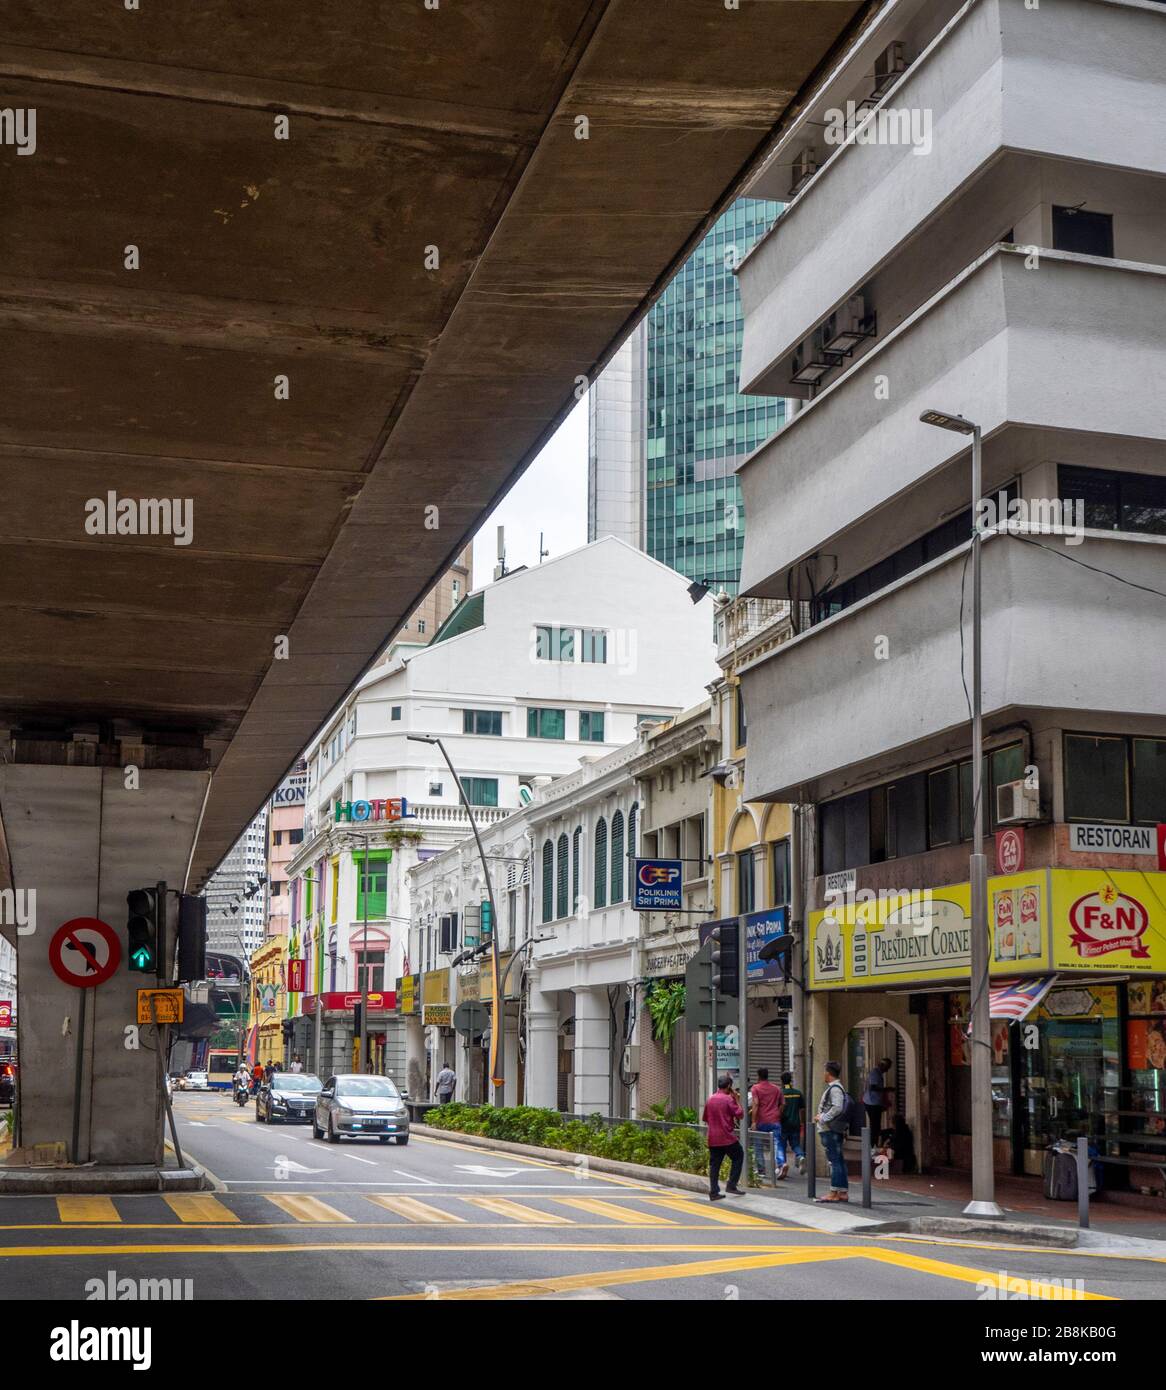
x,y
1017,802
805,167
890,63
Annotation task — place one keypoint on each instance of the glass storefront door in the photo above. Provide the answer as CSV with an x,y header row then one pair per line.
x,y
1070,1080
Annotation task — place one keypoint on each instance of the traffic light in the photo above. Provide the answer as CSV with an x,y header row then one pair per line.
x,y
726,939
698,988
191,938
487,922
145,926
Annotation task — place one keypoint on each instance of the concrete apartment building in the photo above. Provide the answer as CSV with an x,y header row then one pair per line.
x,y
995,248
434,608
544,666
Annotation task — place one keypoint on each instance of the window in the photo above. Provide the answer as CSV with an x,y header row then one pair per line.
x,y
1113,778
943,806
421,625
546,723
435,788
455,589
1087,233
372,879
548,880
482,721
295,837
600,863
633,817
576,847
591,725
739,710
481,791
561,883
617,858
1115,501
693,848
277,837
594,645
395,712
781,874
745,898
555,643
370,971
906,817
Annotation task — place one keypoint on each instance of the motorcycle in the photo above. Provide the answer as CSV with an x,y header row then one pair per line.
x,y
242,1092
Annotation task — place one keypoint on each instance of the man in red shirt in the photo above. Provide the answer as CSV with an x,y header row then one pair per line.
x,y
766,1102
721,1113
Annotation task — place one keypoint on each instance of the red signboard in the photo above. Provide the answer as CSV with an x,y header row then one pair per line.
x,y
1162,848
335,999
295,976
84,952
5,1013
1010,850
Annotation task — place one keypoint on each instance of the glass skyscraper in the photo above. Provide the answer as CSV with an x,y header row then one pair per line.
x,y
667,425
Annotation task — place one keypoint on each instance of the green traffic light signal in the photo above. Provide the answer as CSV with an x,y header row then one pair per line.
x,y
142,928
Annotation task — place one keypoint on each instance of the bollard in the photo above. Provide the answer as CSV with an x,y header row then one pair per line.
x,y
1083,1181
866,1164
811,1159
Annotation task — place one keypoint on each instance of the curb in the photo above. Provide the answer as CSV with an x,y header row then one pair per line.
x,y
16,1182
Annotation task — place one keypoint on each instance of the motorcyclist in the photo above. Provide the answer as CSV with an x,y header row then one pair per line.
x,y
242,1077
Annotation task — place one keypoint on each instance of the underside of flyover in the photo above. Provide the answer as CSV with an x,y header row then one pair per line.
x,y
326,276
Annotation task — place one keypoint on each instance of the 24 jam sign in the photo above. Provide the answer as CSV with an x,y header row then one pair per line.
x,y
1108,921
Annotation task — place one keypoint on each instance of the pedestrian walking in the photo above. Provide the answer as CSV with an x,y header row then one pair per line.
x,y
765,1105
721,1113
874,1098
789,1134
446,1084
831,1121
296,1064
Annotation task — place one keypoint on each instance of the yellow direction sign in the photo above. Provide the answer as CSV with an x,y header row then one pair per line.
x,y
160,1005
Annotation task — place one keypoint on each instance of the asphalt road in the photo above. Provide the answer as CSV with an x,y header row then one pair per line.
x,y
298,1218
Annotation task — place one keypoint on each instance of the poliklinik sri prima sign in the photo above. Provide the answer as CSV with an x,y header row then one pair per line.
x,y
394,808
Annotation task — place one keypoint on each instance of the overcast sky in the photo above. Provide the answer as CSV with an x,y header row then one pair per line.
x,y
551,496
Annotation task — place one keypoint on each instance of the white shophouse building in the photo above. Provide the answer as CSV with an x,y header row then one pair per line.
x,y
524,677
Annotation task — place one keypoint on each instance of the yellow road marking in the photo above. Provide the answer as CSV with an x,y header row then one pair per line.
x,y
305,1208
380,1247
199,1206
727,1216
613,1212
503,1206
413,1210
349,1223
922,1265
1065,1252
87,1209
567,1283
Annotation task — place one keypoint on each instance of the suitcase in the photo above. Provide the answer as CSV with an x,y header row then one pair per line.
x,y
1060,1175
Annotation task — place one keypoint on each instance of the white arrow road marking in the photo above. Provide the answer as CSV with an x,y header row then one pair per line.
x,y
356,1159
488,1172
425,1182
291,1166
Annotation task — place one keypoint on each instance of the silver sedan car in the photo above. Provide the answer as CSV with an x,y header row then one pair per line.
x,y
353,1106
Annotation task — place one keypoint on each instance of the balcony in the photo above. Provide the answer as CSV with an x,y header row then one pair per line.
x,y
741,623
1056,637
1064,362
1085,82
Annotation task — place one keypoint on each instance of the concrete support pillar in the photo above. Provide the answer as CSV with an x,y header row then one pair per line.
x,y
542,1050
592,1052
415,1057
510,1059
81,840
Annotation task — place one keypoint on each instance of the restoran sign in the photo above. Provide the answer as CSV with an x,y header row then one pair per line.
x,y
392,808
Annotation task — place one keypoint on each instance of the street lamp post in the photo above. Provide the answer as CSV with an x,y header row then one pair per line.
x,y
983,1201
498,1008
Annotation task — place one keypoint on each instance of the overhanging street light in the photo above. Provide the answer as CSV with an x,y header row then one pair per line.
x,y
983,1201
498,1008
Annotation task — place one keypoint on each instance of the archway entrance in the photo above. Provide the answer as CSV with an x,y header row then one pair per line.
x,y
872,1039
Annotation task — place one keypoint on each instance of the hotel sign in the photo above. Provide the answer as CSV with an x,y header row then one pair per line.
x,y
390,809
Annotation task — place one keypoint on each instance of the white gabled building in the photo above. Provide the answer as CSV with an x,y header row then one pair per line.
x,y
523,678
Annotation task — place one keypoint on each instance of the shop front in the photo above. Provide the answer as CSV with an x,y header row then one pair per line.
x,y
1076,980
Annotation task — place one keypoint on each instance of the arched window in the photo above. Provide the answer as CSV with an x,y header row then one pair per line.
x,y
576,851
561,877
617,859
633,849
548,880
600,863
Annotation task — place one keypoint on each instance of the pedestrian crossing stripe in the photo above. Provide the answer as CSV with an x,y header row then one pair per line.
x,y
626,1215
86,1209
200,1207
503,1206
419,1212
305,1208
726,1216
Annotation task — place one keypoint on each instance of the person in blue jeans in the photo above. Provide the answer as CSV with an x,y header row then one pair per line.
x,y
831,1121
789,1133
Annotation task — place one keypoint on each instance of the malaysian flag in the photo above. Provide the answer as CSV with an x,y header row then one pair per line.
x,y
1016,999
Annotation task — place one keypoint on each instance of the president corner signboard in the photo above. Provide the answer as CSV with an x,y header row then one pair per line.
x,y
657,885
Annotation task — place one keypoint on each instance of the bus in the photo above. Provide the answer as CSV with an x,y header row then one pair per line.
x,y
222,1064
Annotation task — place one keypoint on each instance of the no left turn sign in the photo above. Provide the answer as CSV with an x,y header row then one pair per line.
x,y
84,952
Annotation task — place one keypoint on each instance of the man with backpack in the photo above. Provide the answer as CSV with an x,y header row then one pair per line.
x,y
833,1121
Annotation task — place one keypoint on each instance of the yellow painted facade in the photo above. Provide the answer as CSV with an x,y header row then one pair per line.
x,y
269,972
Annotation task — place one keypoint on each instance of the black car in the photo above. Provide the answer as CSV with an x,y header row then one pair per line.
x,y
289,1095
